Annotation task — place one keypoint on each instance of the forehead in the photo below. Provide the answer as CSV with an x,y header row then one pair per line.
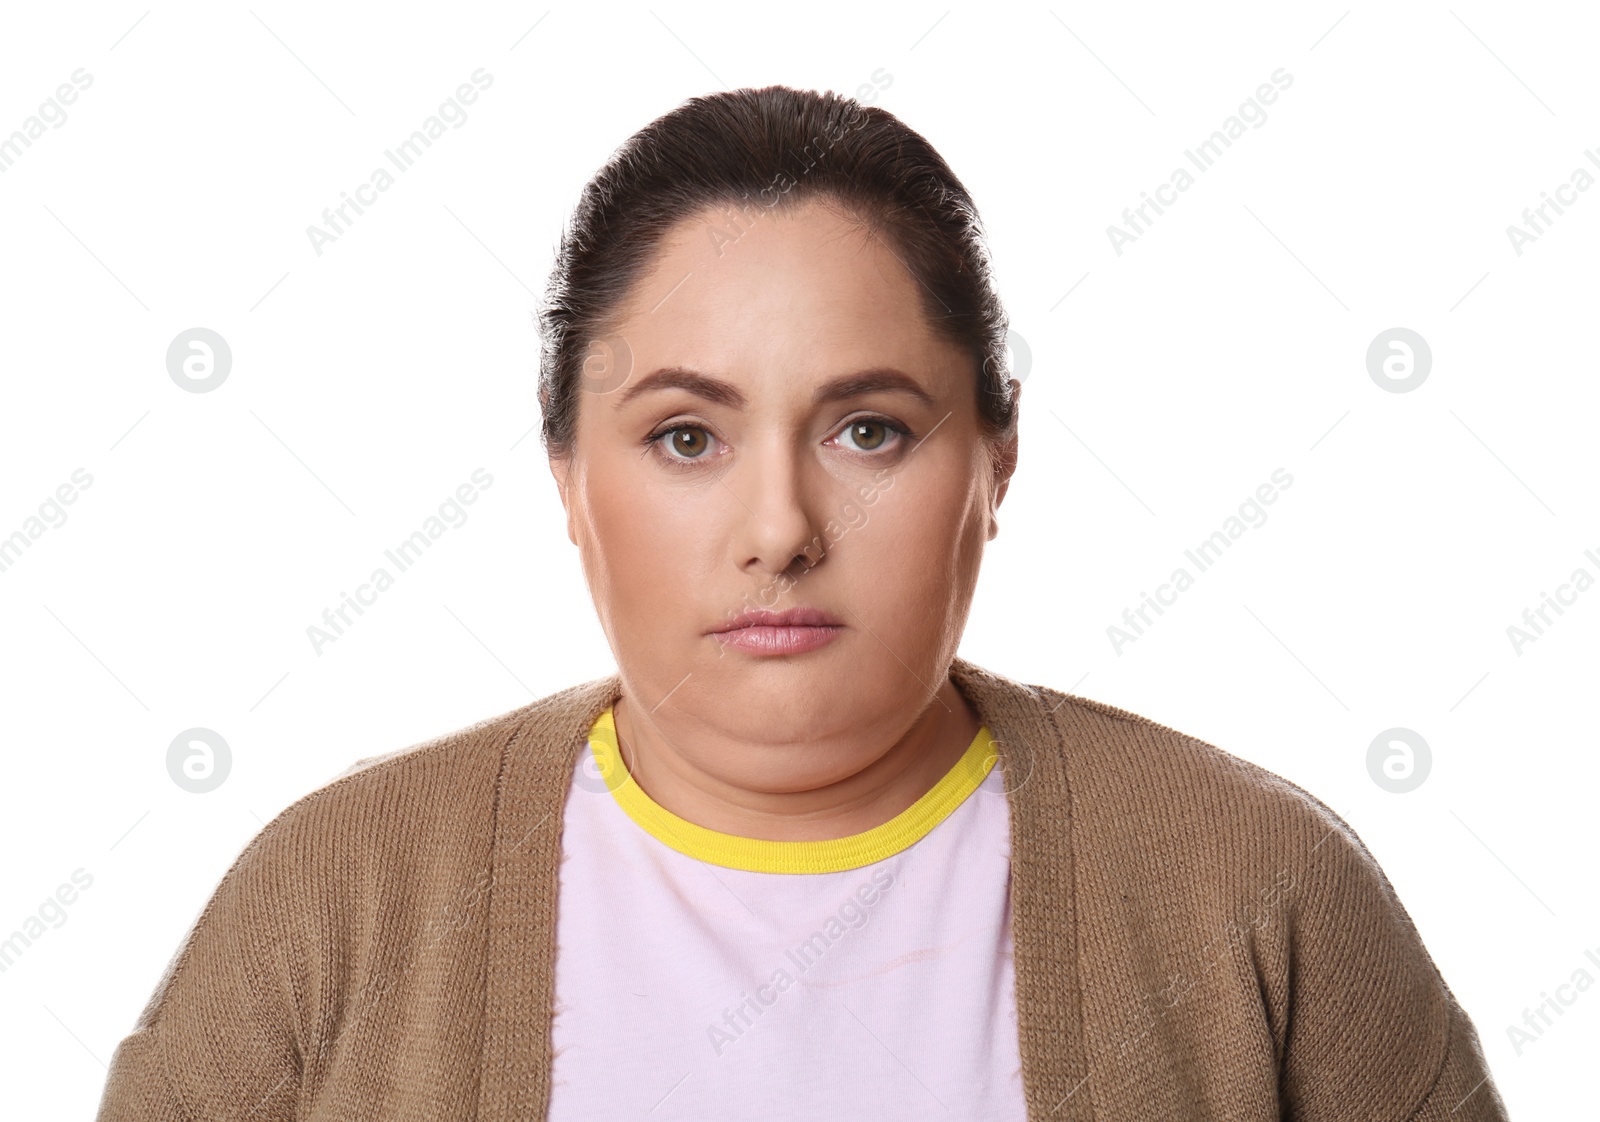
x,y
805,291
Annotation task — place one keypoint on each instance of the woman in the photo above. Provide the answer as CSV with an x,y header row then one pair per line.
x,y
796,858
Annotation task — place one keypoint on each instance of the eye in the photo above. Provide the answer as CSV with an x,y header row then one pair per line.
x,y
872,434
682,442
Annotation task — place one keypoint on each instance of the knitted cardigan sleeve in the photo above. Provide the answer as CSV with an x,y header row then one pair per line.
x,y
1372,1030
218,1038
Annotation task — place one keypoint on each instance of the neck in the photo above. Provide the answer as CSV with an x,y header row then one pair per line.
x,y
794,791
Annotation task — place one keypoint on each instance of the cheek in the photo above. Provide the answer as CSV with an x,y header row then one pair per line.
x,y
915,552
650,548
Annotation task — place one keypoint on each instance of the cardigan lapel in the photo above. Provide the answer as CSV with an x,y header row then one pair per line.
x,y
536,770
1032,753
519,987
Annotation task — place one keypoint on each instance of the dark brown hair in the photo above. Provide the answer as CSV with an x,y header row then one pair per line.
x,y
752,150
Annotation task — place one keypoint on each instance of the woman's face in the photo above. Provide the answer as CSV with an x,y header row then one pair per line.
x,y
789,434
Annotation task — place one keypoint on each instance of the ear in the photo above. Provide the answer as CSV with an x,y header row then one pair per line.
x,y
561,469
1004,460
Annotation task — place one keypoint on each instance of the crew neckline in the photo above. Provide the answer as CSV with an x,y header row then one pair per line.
x,y
763,855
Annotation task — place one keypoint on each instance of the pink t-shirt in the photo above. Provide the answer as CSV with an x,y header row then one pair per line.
x,y
702,975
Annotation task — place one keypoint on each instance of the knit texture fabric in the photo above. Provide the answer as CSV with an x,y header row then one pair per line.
x,y
1195,938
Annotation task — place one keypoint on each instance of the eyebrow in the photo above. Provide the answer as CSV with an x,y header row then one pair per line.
x,y
878,379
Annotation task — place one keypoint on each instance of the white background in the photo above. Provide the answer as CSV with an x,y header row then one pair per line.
x,y
1167,383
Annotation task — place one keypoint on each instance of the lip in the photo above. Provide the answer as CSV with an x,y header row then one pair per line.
x,y
789,617
789,632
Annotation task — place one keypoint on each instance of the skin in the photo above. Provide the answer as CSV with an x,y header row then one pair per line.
x,y
781,502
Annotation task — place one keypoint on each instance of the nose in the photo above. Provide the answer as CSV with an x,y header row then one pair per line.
x,y
776,527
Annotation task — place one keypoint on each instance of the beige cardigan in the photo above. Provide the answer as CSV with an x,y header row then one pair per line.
x,y
1195,937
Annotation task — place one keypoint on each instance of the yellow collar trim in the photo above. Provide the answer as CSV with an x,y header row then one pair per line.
x,y
761,855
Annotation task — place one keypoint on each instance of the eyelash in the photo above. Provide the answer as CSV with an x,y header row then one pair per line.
x,y
653,441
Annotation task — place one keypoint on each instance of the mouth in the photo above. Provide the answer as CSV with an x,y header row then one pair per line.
x,y
789,632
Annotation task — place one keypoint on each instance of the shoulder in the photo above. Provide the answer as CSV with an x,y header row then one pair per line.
x,y
1208,825
1131,774
433,781
415,824
437,779
1220,855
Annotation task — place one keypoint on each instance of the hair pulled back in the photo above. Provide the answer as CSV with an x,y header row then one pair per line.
x,y
748,152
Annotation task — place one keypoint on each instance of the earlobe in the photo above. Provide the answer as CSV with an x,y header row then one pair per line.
x,y
1004,462
560,471
994,507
